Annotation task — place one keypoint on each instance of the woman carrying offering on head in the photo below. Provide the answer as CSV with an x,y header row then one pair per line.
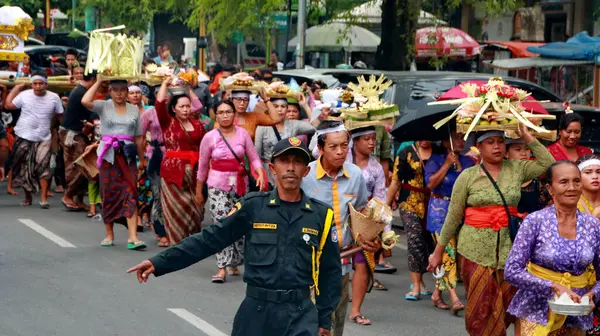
x,y
121,144
484,240
221,153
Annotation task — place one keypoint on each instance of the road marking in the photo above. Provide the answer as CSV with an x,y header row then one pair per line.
x,y
196,322
48,234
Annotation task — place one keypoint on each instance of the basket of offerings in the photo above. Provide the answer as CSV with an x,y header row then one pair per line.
x,y
240,82
369,223
115,56
563,305
367,92
491,106
280,90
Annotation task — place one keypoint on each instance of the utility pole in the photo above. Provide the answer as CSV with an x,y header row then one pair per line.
x,y
202,44
301,36
287,31
47,18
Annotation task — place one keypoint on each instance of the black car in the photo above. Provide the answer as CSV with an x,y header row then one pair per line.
x,y
39,56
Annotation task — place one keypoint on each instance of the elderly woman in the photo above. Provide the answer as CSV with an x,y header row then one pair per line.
x,y
268,136
182,135
566,148
551,255
409,179
122,140
220,167
484,239
441,173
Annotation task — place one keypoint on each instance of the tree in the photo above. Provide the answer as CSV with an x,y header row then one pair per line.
x,y
134,14
32,7
399,20
223,16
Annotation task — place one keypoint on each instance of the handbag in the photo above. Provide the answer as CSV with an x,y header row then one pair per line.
x,y
251,180
514,222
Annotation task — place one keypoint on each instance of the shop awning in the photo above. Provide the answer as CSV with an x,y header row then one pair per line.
x,y
518,49
532,62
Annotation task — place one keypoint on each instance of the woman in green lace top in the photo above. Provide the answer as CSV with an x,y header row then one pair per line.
x,y
484,240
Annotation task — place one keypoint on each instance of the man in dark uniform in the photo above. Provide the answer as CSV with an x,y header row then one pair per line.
x,y
285,231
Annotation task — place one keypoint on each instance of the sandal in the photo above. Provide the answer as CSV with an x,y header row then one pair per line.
x,y
234,271
70,206
385,268
218,279
440,304
378,285
44,205
138,245
107,243
457,306
360,320
26,203
163,242
90,214
411,296
424,291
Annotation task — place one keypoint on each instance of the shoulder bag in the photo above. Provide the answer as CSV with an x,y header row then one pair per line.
x,y
514,222
251,180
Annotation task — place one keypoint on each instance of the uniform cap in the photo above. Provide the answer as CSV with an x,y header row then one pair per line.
x,y
290,144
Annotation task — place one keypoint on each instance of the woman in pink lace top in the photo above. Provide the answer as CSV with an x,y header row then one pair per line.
x,y
226,178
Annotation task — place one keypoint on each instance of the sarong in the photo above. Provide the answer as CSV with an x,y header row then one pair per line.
x,y
488,298
220,204
182,215
527,328
30,163
448,281
118,189
73,147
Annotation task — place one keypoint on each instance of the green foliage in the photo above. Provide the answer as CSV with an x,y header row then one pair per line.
x,y
222,16
32,7
134,14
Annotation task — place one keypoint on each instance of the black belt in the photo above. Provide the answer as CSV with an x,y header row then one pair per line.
x,y
278,296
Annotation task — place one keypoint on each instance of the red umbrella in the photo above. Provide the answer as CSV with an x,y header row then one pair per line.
x,y
530,104
445,41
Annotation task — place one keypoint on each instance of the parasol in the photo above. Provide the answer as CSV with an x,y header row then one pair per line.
x,y
530,104
445,41
417,124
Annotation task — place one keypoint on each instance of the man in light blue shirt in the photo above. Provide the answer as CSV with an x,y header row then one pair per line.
x,y
338,183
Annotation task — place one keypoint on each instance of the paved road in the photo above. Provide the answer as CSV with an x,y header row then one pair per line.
x,y
55,279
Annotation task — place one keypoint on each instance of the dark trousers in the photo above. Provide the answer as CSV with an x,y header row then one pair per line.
x,y
264,318
59,171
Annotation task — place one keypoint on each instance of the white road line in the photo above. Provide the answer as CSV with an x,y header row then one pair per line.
x,y
196,322
44,232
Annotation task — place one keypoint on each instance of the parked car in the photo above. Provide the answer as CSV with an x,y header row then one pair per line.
x,y
307,76
63,39
32,41
39,56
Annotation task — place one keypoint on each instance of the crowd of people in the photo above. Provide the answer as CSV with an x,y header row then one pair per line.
x,y
162,155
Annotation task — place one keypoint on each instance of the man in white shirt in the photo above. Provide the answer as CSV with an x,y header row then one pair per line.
x,y
32,148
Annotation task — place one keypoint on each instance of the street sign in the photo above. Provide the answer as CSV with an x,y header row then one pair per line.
x,y
237,36
280,19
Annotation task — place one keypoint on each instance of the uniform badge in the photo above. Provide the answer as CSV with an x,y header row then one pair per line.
x,y
295,141
306,238
334,235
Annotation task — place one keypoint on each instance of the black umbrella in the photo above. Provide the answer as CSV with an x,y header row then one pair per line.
x,y
417,124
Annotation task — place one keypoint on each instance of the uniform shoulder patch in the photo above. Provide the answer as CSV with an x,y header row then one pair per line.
x,y
235,208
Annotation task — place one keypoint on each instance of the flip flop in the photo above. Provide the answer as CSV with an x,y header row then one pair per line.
x,y
26,203
425,292
70,207
410,296
361,320
44,205
234,271
386,268
90,214
107,243
218,279
138,245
